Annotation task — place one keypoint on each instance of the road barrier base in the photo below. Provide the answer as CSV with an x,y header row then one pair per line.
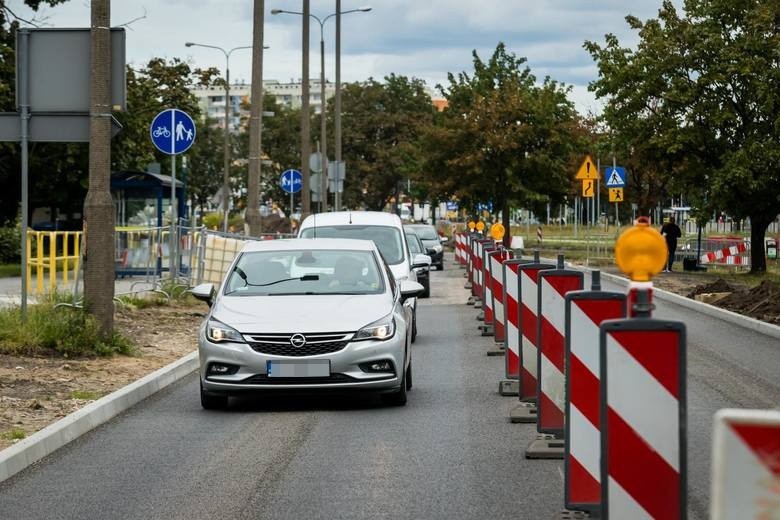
x,y
523,413
481,315
509,387
546,447
468,285
493,352
488,331
470,302
574,515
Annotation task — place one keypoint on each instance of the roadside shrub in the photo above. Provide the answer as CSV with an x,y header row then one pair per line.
x,y
67,331
9,245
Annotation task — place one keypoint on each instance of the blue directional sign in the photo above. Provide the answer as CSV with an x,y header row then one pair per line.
x,y
172,131
615,176
452,206
291,181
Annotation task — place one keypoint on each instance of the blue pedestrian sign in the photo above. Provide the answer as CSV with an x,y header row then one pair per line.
x,y
291,181
616,177
172,131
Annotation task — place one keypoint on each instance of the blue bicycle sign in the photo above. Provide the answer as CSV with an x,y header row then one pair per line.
x,y
172,131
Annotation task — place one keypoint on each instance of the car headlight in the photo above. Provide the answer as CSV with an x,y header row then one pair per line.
x,y
381,329
438,248
218,332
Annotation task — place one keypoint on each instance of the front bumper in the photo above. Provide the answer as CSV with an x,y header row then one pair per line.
x,y
344,367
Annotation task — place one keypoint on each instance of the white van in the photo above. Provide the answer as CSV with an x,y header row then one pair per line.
x,y
384,229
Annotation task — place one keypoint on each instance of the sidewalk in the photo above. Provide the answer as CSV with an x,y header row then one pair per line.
x,y
11,288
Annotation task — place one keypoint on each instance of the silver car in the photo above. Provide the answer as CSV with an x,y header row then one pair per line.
x,y
306,314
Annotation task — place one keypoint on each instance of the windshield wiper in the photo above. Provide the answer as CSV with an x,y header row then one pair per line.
x,y
247,283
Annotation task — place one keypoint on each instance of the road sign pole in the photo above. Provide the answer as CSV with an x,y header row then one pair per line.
x,y
24,106
598,190
173,262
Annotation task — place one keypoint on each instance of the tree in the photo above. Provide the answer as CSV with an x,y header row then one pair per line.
x,y
504,138
701,92
382,126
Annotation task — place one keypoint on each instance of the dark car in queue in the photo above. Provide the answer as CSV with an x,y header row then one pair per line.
x,y
423,273
431,241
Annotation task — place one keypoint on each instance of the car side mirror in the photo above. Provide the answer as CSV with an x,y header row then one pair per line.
x,y
443,240
204,292
421,260
410,289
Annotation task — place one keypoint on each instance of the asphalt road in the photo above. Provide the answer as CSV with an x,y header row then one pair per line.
x,y
450,453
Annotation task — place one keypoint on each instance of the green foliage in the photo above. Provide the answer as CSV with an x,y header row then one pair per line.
x,y
382,127
10,270
699,96
14,434
85,395
504,137
10,238
67,331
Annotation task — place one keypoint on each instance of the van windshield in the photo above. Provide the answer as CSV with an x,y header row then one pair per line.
x,y
387,239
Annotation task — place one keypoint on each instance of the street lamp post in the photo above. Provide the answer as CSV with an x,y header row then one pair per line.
x,y
226,167
323,139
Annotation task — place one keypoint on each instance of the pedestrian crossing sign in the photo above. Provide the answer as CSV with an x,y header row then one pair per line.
x,y
615,176
616,194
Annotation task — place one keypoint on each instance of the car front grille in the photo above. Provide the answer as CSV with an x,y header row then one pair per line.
x,y
317,343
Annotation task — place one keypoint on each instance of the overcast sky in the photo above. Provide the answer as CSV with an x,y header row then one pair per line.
x,y
421,38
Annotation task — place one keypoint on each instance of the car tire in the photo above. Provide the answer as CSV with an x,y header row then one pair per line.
x,y
409,377
440,267
414,327
427,292
397,398
211,401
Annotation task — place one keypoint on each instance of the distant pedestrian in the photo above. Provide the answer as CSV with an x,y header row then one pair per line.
x,y
671,233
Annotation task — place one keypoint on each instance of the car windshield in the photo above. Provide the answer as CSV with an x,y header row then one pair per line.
x,y
426,232
386,238
305,271
414,245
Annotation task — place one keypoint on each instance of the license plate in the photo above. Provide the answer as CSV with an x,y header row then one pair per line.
x,y
295,368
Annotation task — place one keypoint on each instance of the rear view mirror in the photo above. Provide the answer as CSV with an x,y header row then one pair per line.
x,y
410,289
443,240
204,292
421,260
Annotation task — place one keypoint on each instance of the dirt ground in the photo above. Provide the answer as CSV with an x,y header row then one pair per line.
x,y
36,391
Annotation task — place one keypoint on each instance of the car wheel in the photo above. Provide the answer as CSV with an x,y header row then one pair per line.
x,y
409,377
440,267
212,402
427,292
414,327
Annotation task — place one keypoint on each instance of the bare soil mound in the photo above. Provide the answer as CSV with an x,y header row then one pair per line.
x,y
761,302
718,286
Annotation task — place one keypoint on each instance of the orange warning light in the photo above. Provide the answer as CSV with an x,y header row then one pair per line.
x,y
497,231
472,225
480,226
640,252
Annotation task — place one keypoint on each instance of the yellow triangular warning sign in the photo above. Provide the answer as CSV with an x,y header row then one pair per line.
x,y
587,170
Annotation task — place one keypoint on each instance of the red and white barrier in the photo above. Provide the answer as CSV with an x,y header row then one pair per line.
x,y
746,465
528,303
728,255
460,248
585,311
643,419
487,283
497,259
512,318
551,333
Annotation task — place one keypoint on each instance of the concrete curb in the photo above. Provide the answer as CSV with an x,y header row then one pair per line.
x,y
44,442
753,324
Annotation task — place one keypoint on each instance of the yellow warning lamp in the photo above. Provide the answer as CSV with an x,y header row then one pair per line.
x,y
471,225
640,252
497,231
480,226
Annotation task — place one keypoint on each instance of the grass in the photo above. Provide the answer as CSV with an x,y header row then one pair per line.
x,y
14,434
66,331
10,270
85,395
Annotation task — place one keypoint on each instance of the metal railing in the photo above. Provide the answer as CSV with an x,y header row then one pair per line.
x,y
56,256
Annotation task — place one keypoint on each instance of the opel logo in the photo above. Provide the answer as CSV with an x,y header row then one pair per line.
x,y
297,340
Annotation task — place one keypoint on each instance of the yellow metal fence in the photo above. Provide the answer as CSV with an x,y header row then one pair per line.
x,y
52,253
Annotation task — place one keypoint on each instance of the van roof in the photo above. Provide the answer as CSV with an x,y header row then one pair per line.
x,y
343,218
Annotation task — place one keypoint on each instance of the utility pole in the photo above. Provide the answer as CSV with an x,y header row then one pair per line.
x,y
226,150
337,111
98,205
256,124
323,114
305,137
